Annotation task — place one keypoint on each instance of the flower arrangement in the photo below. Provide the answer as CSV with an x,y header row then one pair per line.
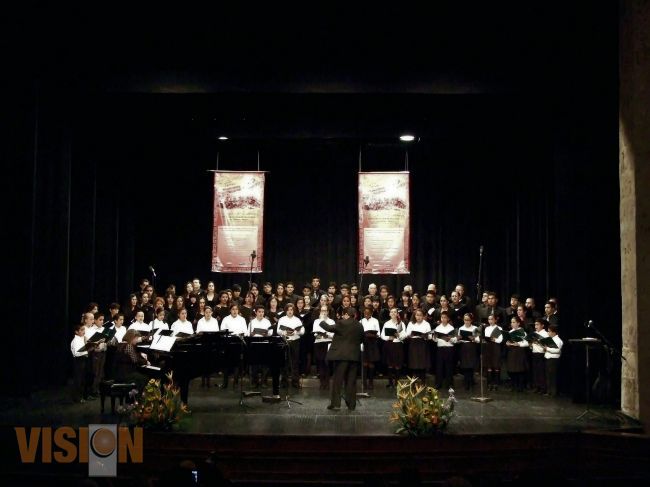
x,y
419,409
158,410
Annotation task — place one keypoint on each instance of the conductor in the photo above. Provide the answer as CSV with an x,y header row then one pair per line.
x,y
345,354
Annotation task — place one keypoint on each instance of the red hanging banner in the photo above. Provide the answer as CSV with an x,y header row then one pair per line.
x,y
238,225
384,223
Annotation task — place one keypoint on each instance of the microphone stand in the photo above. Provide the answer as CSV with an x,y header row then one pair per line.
x,y
478,279
361,282
287,358
250,275
242,393
482,398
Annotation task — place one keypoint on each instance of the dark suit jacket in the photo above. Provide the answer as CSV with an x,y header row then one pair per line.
x,y
346,344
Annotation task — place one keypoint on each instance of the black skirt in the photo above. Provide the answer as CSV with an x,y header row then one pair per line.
x,y
492,357
517,360
394,354
468,355
418,355
320,351
371,350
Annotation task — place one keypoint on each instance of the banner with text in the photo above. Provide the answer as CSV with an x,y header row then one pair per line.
x,y
384,222
238,225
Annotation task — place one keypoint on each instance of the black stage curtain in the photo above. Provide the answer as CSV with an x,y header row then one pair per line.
x,y
535,182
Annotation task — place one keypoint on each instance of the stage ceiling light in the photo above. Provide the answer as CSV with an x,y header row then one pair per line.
x,y
407,138
223,137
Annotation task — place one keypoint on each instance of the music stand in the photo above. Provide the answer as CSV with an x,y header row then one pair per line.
x,y
482,398
588,344
243,394
363,393
287,359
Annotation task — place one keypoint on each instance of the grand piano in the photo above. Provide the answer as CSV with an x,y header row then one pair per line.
x,y
208,352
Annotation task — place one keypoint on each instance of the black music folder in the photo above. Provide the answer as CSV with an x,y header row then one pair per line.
x,y
496,333
389,332
548,342
420,334
445,335
467,335
371,333
260,331
515,335
287,328
180,334
165,333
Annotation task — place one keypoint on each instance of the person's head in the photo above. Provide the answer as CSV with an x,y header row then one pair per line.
x,y
354,299
514,300
113,309
383,292
160,313
169,298
330,298
98,319
444,302
347,313
139,316
189,287
406,299
118,319
354,289
345,289
306,290
444,317
345,301
158,302
376,303
180,302
234,310
492,299
521,311
92,308
249,299
367,312
131,337
133,300
208,312
80,329
259,311
279,289
552,330
394,315
193,297
210,287
540,324
272,303
331,288
468,318
492,320
315,282
549,308
484,298
196,285
430,297
390,301
182,314
323,312
255,290
236,290
323,299
455,297
88,319
372,288
408,288
171,289
460,289
530,303
223,298
202,302
515,322
300,304
229,291
144,282
290,288
419,315
149,290
415,299
432,287
289,310
367,301
145,298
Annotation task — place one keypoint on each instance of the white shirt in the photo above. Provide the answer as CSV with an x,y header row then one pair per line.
x,y
370,324
293,323
207,325
76,343
263,324
423,327
140,326
393,328
488,332
182,327
91,330
236,326
157,325
119,333
554,352
471,328
318,329
444,329
537,348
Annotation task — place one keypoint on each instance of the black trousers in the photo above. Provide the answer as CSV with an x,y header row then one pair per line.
x,y
80,378
539,372
98,360
444,367
292,367
345,372
551,375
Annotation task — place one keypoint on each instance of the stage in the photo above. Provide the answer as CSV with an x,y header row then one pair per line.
x,y
515,436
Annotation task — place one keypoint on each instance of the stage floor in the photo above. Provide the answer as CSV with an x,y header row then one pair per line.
x,y
216,411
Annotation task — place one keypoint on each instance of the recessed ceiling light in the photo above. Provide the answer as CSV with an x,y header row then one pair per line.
x,y
407,138
223,137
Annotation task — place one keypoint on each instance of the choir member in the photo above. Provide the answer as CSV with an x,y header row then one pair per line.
x,y
322,340
81,384
539,365
417,333
468,337
211,296
393,334
292,329
552,356
445,340
370,345
236,325
517,360
182,325
492,352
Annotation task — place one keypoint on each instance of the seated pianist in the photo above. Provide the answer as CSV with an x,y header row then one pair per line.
x,y
128,362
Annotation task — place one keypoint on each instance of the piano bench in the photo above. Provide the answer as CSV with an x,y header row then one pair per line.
x,y
114,390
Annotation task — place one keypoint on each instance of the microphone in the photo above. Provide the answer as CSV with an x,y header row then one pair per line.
x,y
589,324
480,250
366,261
153,271
253,255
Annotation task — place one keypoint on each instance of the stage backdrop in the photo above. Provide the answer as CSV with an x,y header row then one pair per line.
x,y
384,222
238,224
